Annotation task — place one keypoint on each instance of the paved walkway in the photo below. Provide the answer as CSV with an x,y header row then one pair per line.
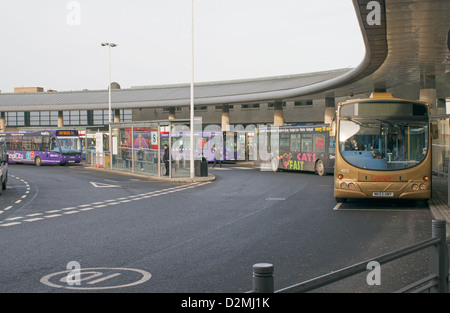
x,y
187,179
439,201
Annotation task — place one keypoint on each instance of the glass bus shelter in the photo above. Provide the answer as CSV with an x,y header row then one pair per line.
x,y
138,147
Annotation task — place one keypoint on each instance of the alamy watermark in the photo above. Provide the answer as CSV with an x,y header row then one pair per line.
x,y
374,16
74,13
374,276
233,145
74,276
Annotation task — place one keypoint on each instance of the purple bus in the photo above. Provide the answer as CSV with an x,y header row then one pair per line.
x,y
44,147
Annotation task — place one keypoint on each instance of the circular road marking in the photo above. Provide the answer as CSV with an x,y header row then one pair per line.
x,y
98,278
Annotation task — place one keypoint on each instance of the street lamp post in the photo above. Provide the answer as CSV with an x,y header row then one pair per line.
x,y
109,45
192,170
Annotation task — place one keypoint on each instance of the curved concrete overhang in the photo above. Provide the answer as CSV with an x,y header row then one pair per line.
x,y
405,41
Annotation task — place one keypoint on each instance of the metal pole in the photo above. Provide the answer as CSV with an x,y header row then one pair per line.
x,y
109,45
159,150
192,170
109,109
439,257
263,281
132,149
170,149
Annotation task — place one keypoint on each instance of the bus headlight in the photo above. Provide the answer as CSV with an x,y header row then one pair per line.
x,y
422,187
351,186
415,187
343,185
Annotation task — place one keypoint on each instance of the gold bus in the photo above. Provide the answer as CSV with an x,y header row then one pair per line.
x,y
383,149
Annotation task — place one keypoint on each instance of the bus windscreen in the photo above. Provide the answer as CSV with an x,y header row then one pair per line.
x,y
383,136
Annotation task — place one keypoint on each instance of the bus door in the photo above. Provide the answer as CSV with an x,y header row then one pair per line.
x,y
52,152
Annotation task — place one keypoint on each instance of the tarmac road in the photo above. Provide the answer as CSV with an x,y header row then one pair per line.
x,y
133,234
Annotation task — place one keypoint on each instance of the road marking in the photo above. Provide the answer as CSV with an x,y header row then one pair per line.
x,y
14,218
93,282
86,209
93,277
371,209
51,216
100,204
22,197
337,206
52,211
103,185
34,219
275,199
10,224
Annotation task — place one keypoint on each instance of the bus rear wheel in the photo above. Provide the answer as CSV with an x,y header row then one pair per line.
x,y
38,161
320,168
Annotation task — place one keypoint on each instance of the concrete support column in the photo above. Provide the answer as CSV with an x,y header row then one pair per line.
x,y
116,116
428,91
330,110
278,119
171,113
60,119
441,106
225,117
3,122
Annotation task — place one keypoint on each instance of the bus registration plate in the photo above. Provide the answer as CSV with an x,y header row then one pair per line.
x,y
382,194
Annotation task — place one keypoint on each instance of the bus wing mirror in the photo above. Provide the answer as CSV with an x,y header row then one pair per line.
x,y
434,131
333,129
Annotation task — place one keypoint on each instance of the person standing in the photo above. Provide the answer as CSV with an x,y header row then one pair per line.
x,y
166,159
217,156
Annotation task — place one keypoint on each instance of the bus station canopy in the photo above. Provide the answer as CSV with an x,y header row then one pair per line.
x,y
408,47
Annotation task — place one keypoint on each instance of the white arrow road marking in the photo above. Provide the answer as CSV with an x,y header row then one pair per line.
x,y
103,185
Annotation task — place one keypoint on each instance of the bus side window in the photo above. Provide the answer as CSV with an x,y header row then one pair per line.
x,y
54,146
319,143
9,142
307,143
45,144
332,145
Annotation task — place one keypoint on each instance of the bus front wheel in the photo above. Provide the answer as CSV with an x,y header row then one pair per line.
x,y
38,161
274,164
5,182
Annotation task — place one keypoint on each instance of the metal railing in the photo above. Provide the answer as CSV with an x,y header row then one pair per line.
x,y
436,281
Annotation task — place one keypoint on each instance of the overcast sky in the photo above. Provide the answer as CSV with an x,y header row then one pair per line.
x,y
55,44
